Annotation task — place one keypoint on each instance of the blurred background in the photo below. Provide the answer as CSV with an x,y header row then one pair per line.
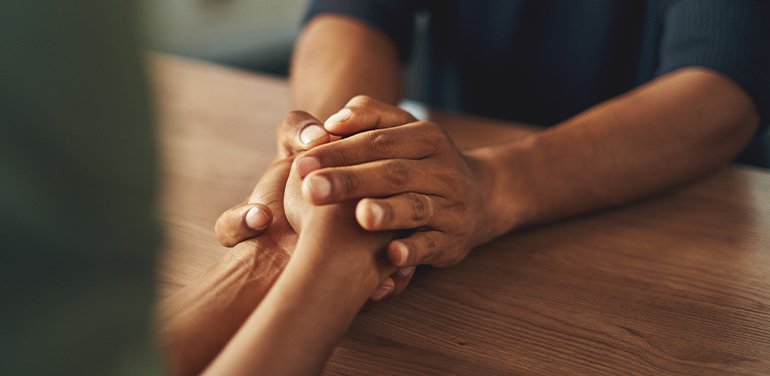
x,y
252,34
259,35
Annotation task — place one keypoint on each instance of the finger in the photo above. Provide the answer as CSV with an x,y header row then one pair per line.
x,y
404,211
242,222
411,141
401,279
383,290
271,186
363,113
300,131
422,247
373,179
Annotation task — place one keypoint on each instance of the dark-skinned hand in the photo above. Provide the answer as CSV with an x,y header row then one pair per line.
x,y
262,213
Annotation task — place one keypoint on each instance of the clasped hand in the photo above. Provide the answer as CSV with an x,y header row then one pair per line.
x,y
406,175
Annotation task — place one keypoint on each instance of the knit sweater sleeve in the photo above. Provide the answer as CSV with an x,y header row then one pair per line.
x,y
731,37
394,17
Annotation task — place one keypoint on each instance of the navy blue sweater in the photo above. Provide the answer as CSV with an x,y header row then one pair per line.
x,y
543,61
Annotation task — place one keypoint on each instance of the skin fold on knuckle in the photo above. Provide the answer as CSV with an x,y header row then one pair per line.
x,y
344,184
328,155
421,209
396,175
361,101
381,144
425,251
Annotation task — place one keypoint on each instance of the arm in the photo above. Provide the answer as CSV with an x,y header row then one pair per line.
x,y
195,323
339,57
199,320
331,273
666,132
335,58
295,328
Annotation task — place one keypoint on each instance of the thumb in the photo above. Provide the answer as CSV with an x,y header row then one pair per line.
x,y
242,222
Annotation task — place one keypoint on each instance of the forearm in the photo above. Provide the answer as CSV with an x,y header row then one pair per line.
x,y
662,134
337,58
196,322
300,321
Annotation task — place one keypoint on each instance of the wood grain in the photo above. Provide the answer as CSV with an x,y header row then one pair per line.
x,y
678,284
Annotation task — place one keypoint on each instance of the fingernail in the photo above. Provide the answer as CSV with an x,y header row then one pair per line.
x,y
377,214
405,272
256,219
342,115
404,252
311,133
306,165
320,187
380,292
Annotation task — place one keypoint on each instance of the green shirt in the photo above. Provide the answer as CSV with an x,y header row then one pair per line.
x,y
77,181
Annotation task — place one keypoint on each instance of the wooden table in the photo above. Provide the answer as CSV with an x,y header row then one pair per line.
x,y
675,284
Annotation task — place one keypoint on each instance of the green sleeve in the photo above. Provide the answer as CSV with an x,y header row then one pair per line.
x,y
77,182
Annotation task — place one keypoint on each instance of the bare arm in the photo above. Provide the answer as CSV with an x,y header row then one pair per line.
x,y
335,58
664,133
334,269
309,308
332,272
339,57
195,323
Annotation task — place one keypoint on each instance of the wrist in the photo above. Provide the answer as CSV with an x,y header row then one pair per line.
x,y
503,177
333,242
258,255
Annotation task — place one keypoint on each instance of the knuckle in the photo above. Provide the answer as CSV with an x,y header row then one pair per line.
x,y
294,117
380,143
361,100
429,250
421,210
430,244
433,135
347,182
397,174
407,116
328,155
433,128
452,178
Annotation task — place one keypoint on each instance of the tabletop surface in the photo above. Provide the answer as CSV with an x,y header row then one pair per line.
x,y
677,284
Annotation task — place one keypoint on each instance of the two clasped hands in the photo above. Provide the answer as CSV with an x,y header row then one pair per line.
x,y
404,176
336,224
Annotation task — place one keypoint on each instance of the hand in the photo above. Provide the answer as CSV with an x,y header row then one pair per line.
x,y
265,206
270,190
407,177
298,131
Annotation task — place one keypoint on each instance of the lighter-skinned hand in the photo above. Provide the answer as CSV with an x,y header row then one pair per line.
x,y
262,213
